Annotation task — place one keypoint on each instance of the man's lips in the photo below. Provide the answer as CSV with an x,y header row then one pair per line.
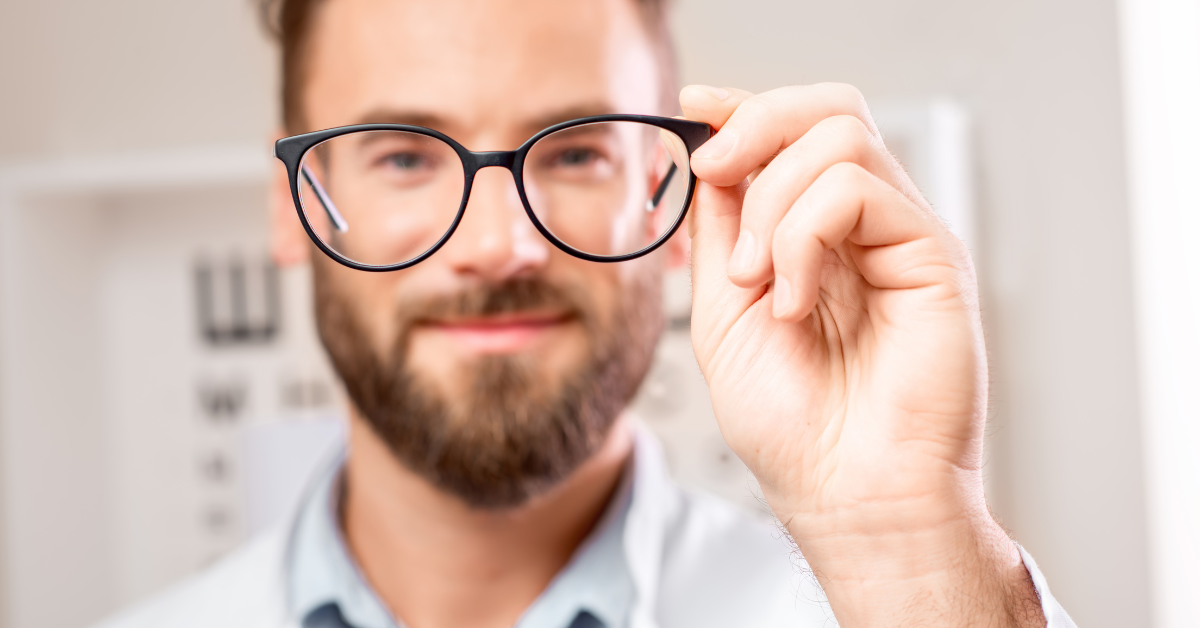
x,y
503,333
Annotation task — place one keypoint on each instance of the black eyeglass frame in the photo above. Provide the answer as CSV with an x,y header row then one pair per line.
x,y
291,151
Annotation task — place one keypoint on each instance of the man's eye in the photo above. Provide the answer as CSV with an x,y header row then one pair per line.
x,y
575,157
406,161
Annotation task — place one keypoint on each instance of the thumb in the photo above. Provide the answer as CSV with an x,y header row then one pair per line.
x,y
716,302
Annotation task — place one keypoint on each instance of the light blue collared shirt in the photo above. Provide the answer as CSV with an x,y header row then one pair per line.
x,y
326,589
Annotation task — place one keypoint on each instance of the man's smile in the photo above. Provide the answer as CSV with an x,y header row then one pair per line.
x,y
510,332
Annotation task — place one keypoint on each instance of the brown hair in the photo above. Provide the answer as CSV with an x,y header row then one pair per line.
x,y
290,22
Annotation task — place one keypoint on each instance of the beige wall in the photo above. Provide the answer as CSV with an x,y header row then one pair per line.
x,y
84,77
1040,77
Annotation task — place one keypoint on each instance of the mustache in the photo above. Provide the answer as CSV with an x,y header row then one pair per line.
x,y
507,297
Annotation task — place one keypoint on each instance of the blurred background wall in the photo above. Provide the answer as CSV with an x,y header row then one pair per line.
x,y
1040,79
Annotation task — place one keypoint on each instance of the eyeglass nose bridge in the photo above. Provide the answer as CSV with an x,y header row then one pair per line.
x,y
507,159
493,159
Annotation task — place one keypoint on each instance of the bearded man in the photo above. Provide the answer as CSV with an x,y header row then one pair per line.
x,y
508,163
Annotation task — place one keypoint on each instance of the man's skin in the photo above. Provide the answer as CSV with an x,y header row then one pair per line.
x,y
841,340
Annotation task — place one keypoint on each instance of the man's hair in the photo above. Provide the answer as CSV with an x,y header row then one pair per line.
x,y
290,23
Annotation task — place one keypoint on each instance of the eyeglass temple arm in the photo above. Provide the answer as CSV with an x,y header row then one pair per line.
x,y
662,189
334,215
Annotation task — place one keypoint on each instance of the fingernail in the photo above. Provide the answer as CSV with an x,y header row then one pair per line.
x,y
715,92
717,147
742,258
783,297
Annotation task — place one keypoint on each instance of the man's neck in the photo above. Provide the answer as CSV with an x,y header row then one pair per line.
x,y
437,563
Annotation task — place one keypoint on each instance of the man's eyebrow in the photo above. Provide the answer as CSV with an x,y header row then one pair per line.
x,y
552,118
412,118
530,126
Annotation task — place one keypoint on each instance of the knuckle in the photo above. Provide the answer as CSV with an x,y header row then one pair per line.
x,y
754,214
846,173
792,93
850,134
850,99
846,94
852,127
844,138
756,107
785,238
958,253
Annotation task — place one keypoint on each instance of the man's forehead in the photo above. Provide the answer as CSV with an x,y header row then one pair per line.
x,y
475,63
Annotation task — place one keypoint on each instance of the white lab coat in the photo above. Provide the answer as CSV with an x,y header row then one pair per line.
x,y
696,562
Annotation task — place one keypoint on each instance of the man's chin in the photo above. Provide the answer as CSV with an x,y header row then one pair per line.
x,y
501,431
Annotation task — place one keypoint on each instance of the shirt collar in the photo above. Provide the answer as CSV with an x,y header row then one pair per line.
x,y
596,579
323,577
320,570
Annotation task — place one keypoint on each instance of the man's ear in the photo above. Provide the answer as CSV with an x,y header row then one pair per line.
x,y
289,242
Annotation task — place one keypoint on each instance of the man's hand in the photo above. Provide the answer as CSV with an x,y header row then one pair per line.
x,y
836,320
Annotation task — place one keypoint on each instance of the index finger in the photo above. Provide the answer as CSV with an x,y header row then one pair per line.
x,y
765,124
711,105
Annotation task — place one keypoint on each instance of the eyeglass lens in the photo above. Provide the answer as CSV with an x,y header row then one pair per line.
x,y
386,197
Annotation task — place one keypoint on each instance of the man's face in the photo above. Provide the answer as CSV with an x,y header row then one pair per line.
x,y
495,367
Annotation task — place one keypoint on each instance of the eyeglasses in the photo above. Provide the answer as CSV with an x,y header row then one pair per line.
x,y
382,197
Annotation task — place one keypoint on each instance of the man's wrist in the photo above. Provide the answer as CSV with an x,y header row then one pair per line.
x,y
960,572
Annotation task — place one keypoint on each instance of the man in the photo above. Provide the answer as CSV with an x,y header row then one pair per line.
x,y
492,477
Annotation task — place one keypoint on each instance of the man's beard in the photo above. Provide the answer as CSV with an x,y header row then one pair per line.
x,y
509,433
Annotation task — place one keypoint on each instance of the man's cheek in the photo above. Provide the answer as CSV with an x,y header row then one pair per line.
x,y
369,299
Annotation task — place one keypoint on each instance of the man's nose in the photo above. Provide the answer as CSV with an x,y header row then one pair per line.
x,y
496,240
